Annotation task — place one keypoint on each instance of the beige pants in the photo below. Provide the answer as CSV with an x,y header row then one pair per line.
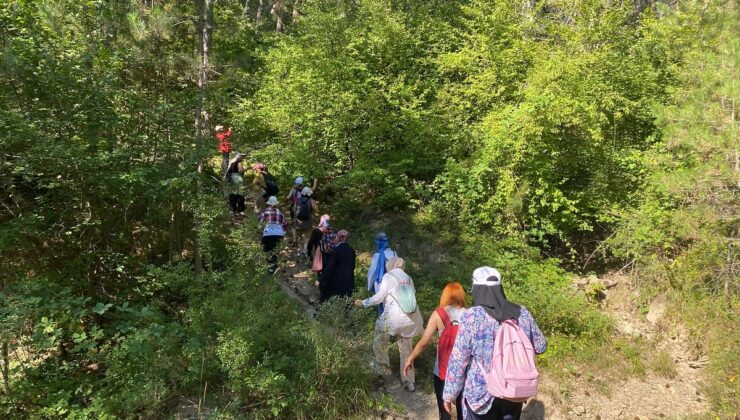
x,y
405,345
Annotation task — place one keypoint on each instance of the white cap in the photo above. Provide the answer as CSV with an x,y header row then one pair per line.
x,y
481,276
306,191
219,127
272,201
299,180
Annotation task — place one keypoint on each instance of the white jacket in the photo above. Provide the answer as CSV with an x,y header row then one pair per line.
x,y
393,321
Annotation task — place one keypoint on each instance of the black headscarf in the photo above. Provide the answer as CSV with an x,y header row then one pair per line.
x,y
493,300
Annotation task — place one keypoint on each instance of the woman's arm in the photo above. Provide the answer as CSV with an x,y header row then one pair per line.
x,y
379,297
432,327
459,359
371,271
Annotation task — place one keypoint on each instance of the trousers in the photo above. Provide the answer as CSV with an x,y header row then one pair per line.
x,y
380,348
439,387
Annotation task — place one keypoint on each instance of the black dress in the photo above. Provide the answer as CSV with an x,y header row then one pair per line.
x,y
338,276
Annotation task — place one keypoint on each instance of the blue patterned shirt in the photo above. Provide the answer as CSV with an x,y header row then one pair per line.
x,y
474,343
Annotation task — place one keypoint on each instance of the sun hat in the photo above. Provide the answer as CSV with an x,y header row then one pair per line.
x,y
486,276
306,191
299,180
272,201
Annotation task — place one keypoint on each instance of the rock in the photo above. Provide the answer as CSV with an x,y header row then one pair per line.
x,y
628,329
656,311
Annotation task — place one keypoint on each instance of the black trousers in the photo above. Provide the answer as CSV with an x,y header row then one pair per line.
x,y
236,203
439,387
269,245
500,410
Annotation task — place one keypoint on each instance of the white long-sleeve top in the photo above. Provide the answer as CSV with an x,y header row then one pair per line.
x,y
393,320
389,253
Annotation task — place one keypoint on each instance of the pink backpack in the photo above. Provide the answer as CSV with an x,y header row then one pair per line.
x,y
513,375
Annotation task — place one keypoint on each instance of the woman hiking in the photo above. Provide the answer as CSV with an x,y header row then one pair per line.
x,y
396,320
474,345
303,221
375,273
321,244
234,184
274,230
338,275
444,318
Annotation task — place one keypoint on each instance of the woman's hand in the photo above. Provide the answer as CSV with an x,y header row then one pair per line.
x,y
317,284
358,302
408,366
448,406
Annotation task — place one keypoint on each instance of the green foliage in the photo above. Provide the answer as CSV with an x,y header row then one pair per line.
x,y
519,135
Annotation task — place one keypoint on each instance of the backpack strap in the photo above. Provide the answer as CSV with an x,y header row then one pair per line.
x,y
445,318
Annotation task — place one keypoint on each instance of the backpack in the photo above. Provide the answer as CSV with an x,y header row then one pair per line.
x,y
271,186
513,375
405,297
446,341
304,209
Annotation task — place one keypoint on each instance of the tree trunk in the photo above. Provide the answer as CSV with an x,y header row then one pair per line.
x,y
4,355
260,7
246,8
5,367
201,116
277,11
296,12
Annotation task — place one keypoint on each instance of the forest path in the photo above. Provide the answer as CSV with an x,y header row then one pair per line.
x,y
650,395
297,281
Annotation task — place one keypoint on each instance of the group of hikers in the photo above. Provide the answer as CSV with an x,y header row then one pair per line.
x,y
484,365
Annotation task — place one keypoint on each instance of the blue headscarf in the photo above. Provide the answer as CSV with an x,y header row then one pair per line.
x,y
381,244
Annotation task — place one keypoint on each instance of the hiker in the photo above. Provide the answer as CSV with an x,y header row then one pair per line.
x,y
234,184
302,223
273,231
265,185
224,145
474,348
338,275
321,244
375,274
295,194
443,321
401,318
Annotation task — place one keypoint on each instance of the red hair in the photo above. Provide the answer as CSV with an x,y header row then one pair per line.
x,y
453,294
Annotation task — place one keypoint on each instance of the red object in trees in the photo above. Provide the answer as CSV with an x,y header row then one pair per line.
x,y
223,137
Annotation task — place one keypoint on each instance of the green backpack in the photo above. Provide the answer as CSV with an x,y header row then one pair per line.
x,y
405,297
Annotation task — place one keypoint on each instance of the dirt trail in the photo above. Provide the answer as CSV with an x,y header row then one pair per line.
x,y
650,396
297,280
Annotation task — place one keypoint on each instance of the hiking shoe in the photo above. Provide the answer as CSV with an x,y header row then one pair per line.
x,y
382,370
409,386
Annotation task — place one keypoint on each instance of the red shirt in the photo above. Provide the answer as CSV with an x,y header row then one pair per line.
x,y
223,137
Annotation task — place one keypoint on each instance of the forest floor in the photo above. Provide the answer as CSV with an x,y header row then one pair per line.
x,y
670,393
